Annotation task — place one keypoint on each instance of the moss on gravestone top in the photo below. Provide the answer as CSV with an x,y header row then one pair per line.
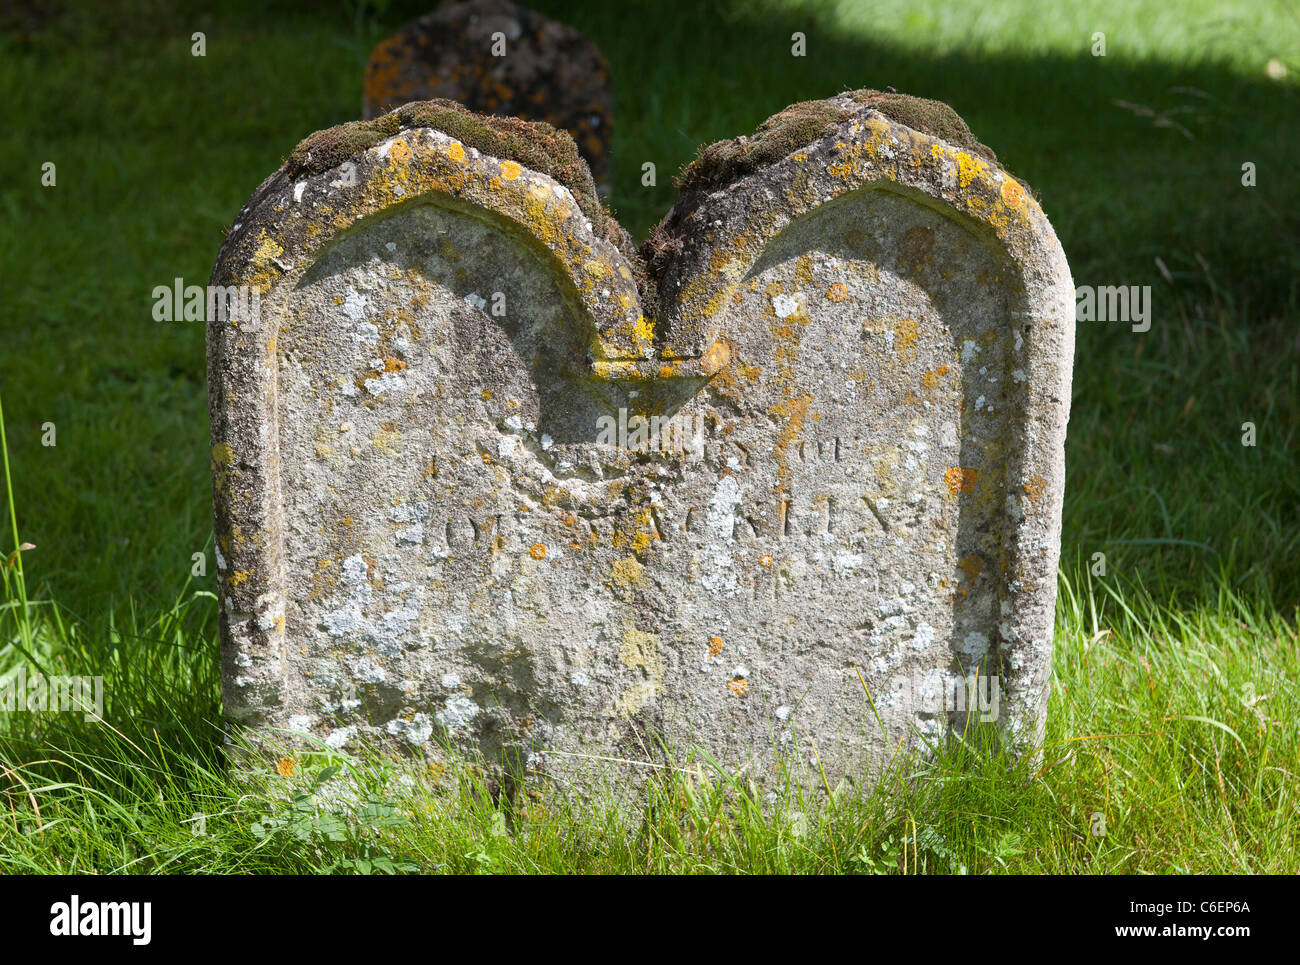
x,y
931,117
533,144
800,124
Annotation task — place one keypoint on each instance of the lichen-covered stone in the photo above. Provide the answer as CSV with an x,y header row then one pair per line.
x,y
801,124
549,72
425,536
534,144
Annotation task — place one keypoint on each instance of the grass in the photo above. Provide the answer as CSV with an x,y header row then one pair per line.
x,y
1174,710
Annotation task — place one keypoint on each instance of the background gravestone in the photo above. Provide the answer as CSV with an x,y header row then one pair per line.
x,y
421,537
550,72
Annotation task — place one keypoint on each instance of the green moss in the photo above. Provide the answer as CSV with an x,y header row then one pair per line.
x,y
724,161
934,118
801,124
533,144
325,149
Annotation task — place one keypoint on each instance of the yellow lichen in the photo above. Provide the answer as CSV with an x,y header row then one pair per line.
x,y
387,441
794,411
969,168
626,572
905,338
399,152
960,480
931,379
645,328
718,355
640,651
1013,195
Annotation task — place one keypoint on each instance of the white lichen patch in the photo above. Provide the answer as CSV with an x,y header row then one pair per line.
x,y
339,737
387,382
412,534
367,671
354,305
784,306
458,712
720,518
417,730
845,563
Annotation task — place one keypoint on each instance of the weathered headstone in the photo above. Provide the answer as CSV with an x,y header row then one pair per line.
x,y
440,517
497,57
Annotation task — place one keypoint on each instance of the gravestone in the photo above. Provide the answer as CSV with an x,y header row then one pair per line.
x,y
498,57
446,512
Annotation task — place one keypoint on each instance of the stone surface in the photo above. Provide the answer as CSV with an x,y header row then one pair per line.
x,y
550,71
425,539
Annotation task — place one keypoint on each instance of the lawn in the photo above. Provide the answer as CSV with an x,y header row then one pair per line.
x,y
1175,712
